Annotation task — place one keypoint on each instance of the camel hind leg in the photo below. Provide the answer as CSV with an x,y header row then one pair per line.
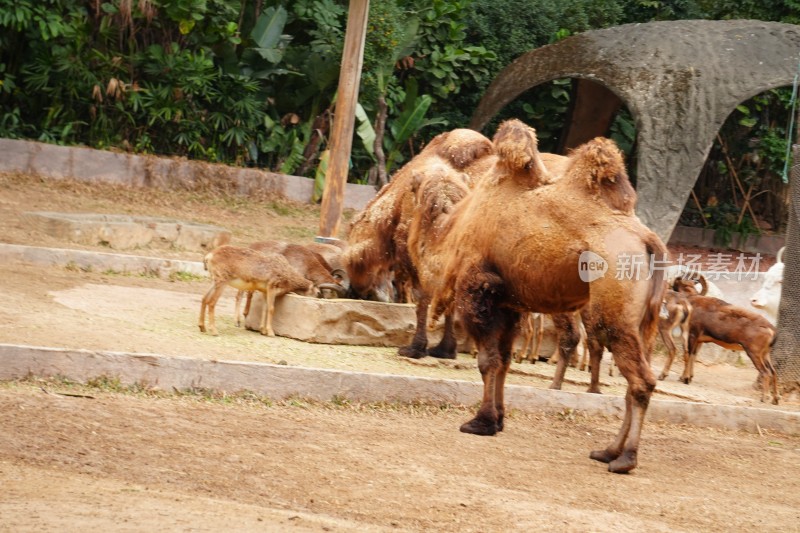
x,y
419,342
490,327
621,455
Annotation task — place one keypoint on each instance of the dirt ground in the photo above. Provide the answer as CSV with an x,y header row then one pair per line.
x,y
74,458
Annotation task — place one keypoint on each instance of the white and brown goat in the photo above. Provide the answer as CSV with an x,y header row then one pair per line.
x,y
732,327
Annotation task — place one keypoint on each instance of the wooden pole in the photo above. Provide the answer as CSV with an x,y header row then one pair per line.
x,y
344,119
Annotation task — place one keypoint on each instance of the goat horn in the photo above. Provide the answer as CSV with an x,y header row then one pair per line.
x,y
341,291
780,254
702,280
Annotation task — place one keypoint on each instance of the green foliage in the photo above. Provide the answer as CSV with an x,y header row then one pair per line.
x,y
543,103
242,81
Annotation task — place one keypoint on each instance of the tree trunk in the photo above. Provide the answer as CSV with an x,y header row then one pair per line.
x,y
380,126
318,132
786,352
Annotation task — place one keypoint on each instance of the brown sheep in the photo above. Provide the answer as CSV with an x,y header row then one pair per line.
x,y
249,270
311,265
732,327
531,330
676,313
517,249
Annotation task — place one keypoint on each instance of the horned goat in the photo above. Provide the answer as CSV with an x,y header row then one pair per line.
x,y
306,262
674,318
250,270
732,327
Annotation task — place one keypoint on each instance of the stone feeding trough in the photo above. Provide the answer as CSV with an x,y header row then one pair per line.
x,y
357,322
123,232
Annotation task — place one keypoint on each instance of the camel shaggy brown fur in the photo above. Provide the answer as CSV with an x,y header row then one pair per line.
x,y
436,190
402,229
378,236
517,249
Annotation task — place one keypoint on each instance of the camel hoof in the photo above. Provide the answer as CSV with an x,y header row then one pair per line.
x,y
594,390
686,380
411,352
623,464
555,386
479,426
662,377
442,353
603,456
202,329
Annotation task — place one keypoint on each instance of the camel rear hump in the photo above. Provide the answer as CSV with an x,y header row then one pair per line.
x,y
600,164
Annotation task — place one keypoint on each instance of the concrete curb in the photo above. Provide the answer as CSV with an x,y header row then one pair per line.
x,y
278,382
97,261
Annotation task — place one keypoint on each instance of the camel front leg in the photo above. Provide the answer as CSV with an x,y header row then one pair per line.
x,y
505,346
489,364
447,347
569,337
595,358
419,343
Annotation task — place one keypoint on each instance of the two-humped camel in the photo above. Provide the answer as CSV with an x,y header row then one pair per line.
x,y
518,245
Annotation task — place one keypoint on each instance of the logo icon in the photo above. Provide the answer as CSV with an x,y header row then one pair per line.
x,y
591,266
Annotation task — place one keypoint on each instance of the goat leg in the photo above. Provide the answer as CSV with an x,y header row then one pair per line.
x,y
666,336
209,303
569,337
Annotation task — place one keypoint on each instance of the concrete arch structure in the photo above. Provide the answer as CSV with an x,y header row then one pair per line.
x,y
679,79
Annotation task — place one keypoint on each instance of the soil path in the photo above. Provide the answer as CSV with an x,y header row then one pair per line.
x,y
116,462
78,459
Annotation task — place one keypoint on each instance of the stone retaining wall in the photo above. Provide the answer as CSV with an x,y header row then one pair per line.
x,y
75,162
